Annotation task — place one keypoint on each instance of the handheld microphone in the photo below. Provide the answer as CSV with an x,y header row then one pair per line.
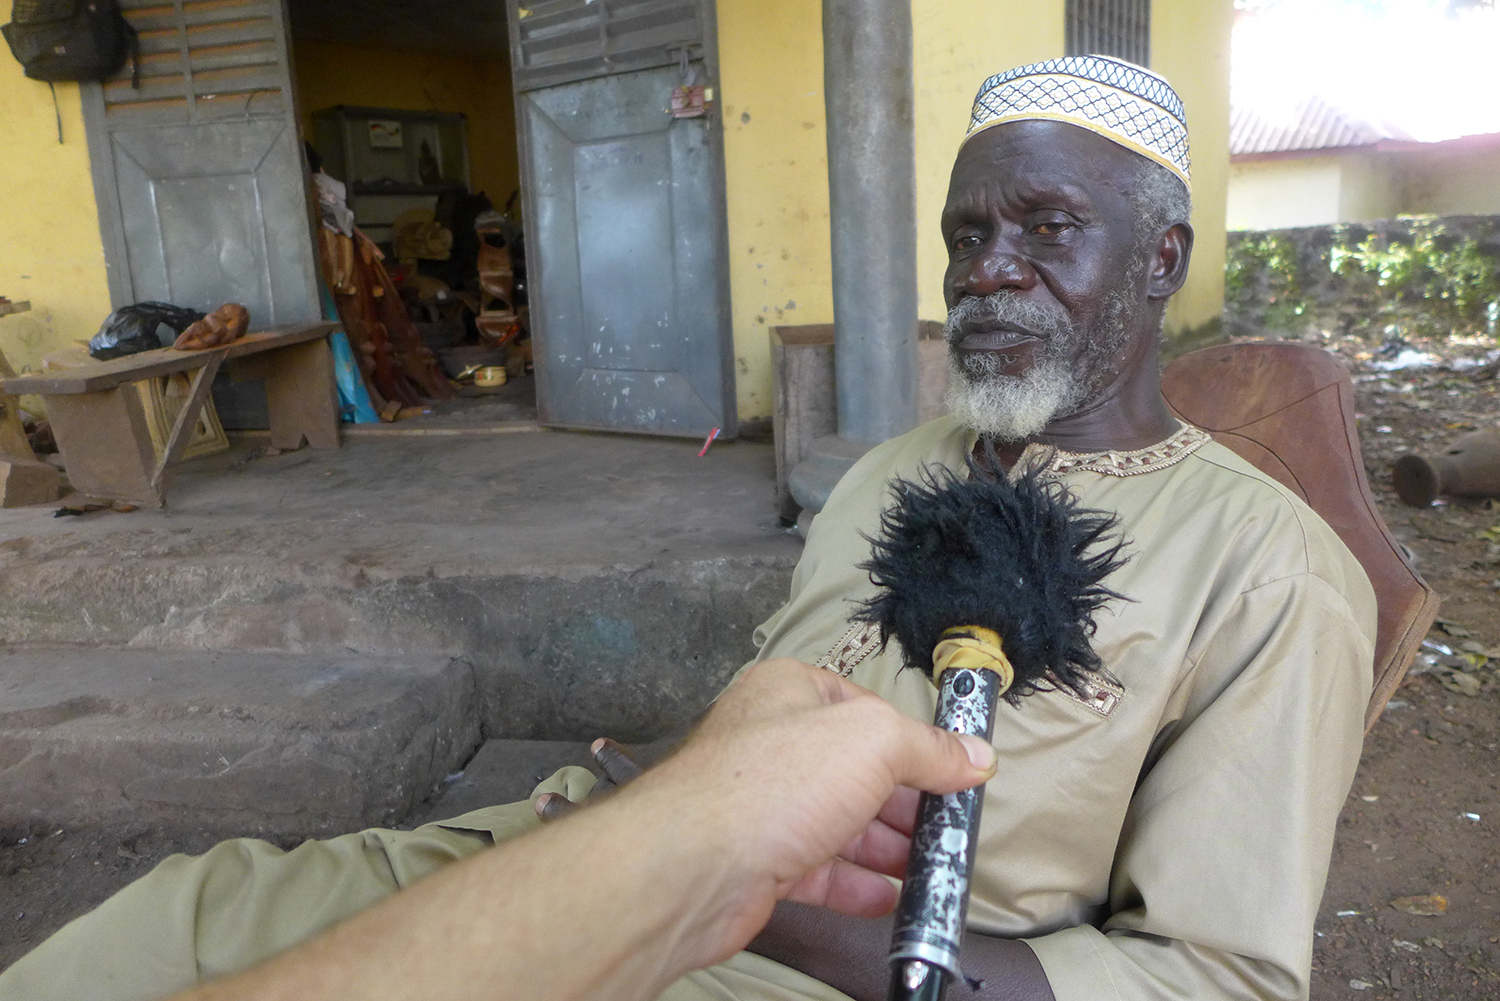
x,y
990,585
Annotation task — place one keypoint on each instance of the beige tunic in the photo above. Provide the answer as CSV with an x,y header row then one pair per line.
x,y
1169,838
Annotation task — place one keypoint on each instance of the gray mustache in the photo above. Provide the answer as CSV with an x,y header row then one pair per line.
x,y
1004,306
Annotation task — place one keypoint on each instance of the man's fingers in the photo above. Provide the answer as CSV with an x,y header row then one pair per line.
x,y
925,757
842,886
879,848
617,763
554,806
900,811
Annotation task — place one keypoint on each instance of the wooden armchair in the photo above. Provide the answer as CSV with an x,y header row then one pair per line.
x,y
1288,409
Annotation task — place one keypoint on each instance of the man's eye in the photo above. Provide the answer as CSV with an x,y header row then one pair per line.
x,y
966,242
1054,228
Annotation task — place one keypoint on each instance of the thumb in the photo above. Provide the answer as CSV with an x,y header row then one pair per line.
x,y
939,761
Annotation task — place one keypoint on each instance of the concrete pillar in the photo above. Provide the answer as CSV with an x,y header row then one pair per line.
x,y
867,79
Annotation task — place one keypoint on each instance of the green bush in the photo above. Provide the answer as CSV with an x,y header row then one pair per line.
x,y
1423,278
1263,269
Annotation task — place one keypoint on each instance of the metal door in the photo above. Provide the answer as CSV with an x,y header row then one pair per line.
x,y
198,172
624,211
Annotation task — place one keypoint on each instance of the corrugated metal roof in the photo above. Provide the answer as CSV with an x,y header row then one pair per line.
x,y
1311,123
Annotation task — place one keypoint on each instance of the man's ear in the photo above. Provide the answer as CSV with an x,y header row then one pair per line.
x,y
1169,263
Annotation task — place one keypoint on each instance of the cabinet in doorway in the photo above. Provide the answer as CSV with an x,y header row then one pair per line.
x,y
392,159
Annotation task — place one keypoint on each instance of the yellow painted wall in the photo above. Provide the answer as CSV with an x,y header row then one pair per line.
x,y
1368,187
330,74
1190,47
1275,194
1448,183
776,172
1314,190
50,249
1362,187
956,45
776,147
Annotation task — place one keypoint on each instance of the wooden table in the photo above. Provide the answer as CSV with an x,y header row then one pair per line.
x,y
23,480
101,429
13,443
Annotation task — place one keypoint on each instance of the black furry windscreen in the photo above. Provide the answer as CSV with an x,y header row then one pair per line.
x,y
1021,558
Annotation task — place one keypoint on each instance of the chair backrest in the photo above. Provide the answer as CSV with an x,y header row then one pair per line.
x,y
1288,409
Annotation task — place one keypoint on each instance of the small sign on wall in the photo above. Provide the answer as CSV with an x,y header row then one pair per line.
x,y
385,134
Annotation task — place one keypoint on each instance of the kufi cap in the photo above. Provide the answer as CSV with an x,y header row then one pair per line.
x,y
1120,101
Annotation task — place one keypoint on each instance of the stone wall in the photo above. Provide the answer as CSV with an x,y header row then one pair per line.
x,y
1424,276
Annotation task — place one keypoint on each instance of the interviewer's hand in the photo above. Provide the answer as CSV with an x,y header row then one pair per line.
x,y
806,783
791,770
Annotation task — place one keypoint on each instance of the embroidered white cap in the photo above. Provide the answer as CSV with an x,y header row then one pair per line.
x,y
1123,102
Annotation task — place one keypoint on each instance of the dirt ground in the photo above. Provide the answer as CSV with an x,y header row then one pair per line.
x,y
1422,818
1424,814
47,878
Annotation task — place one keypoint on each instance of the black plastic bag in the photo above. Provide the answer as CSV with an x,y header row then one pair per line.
x,y
132,329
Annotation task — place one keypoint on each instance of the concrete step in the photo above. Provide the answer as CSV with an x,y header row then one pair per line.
x,y
238,743
594,584
631,652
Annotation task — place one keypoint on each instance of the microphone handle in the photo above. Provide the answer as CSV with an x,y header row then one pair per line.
x,y
929,922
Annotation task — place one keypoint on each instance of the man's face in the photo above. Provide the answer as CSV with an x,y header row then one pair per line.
x,y
1046,275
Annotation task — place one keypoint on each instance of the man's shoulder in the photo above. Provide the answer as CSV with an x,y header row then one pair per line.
x,y
1230,503
1216,475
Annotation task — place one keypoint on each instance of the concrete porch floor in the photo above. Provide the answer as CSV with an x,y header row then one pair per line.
x,y
312,641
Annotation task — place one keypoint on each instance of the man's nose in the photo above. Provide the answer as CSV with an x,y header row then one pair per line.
x,y
995,269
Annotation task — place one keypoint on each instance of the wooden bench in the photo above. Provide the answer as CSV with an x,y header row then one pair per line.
x,y
23,480
101,429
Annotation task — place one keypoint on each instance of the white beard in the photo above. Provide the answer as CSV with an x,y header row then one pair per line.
x,y
1016,407
1011,408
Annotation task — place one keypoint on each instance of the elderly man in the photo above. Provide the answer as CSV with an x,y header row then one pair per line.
x,y
1168,835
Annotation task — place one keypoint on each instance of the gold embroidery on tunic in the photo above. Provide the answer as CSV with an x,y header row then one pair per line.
x,y
1050,461
1101,692
862,639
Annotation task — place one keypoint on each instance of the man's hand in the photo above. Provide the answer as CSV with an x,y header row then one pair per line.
x,y
619,768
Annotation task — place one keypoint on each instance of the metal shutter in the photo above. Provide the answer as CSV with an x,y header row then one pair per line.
x,y
203,60
1110,28
198,174
560,41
